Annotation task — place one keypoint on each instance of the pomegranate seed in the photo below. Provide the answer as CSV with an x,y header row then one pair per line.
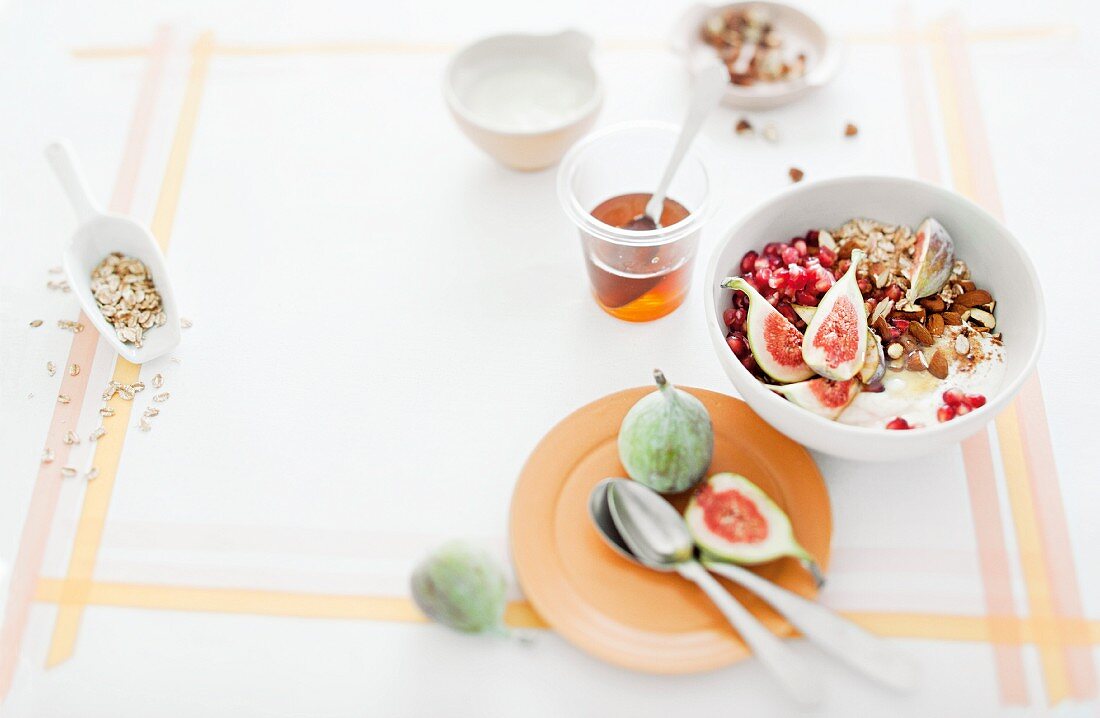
x,y
826,256
727,316
864,286
974,401
898,423
740,300
749,363
739,315
773,248
748,261
962,409
902,325
895,292
788,311
762,277
774,260
738,344
790,255
841,267
801,247
797,277
761,263
812,235
953,397
749,277
772,297
945,413
806,297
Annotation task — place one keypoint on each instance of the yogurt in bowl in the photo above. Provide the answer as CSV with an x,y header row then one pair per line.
x,y
994,303
524,99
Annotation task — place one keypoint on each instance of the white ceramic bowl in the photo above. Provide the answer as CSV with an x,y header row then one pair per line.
x,y
565,56
997,262
802,33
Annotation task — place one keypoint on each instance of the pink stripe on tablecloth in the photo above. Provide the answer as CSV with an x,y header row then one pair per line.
x,y
47,486
1030,409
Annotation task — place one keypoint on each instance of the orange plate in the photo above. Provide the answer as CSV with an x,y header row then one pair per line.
x,y
625,614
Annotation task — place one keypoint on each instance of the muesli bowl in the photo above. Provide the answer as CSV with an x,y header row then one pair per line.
x,y
994,257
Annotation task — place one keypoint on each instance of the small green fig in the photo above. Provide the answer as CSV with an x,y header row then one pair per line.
x,y
666,439
462,587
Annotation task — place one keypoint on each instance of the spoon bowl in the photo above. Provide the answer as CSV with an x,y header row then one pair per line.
x,y
97,235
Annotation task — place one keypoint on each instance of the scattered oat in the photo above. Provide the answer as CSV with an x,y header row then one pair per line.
x,y
71,438
126,393
98,434
74,369
770,133
850,130
137,386
158,381
185,323
151,411
55,270
144,424
111,390
51,368
743,127
74,327
796,174
36,322
106,411
59,285
68,471
163,396
47,456
124,290
62,398
92,475
31,395
175,360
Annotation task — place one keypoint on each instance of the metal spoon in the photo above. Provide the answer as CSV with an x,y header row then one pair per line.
x,y
658,538
841,638
710,84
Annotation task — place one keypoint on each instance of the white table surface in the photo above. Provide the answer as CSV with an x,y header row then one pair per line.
x,y
385,323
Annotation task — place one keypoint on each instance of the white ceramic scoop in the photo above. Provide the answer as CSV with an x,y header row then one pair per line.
x,y
97,235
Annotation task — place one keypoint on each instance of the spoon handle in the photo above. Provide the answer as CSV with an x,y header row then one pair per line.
x,y
710,85
791,671
860,649
63,161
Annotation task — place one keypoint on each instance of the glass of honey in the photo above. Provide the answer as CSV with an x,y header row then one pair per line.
x,y
638,271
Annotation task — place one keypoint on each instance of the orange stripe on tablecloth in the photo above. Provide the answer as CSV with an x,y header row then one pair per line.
x,y
985,507
1024,436
108,452
47,487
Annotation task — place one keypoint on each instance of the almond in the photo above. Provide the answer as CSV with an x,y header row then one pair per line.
x,y
937,365
973,298
921,333
933,304
982,318
917,315
882,327
916,361
967,285
952,319
935,325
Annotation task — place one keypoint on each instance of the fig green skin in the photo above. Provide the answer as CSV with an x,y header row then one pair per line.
x,y
666,440
462,587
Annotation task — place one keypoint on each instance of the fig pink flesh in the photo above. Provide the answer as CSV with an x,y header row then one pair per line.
x,y
838,335
832,394
782,341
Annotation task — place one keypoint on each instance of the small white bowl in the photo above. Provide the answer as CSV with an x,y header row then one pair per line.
x,y
997,262
801,33
562,61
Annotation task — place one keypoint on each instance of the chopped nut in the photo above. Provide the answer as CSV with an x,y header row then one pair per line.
x,y
967,285
983,318
916,361
770,133
962,345
796,175
743,127
933,304
935,325
973,298
850,130
952,319
937,365
921,334
36,322
894,351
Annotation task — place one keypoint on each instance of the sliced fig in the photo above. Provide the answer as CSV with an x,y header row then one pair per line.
x,y
732,519
776,344
933,258
874,364
835,343
822,396
804,311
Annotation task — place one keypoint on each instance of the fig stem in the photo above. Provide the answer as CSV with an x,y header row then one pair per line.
x,y
659,377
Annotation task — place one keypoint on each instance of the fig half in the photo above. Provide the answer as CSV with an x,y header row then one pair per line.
x,y
933,258
835,343
776,344
732,519
822,396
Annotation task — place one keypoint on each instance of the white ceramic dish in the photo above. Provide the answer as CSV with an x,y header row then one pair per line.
x,y
801,32
521,145
997,262
97,235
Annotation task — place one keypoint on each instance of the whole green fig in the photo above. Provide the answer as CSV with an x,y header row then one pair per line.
x,y
462,587
666,440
